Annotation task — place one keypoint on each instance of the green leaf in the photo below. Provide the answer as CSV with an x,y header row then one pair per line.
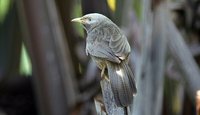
x,y
25,63
4,7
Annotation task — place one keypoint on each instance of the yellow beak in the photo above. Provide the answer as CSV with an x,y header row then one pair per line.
x,y
77,20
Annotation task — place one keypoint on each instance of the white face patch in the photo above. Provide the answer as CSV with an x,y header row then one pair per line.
x,y
120,72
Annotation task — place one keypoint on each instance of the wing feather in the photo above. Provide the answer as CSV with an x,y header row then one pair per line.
x,y
112,45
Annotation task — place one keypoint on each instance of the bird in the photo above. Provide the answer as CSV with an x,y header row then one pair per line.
x,y
109,49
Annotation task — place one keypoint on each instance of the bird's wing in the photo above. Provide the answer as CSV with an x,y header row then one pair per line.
x,y
110,46
102,50
119,45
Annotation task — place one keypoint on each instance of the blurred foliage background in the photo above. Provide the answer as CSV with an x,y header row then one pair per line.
x,y
44,68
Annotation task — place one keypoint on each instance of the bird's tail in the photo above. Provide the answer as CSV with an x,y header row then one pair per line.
x,y
122,83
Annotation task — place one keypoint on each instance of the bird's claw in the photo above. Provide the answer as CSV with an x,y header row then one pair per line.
x,y
103,76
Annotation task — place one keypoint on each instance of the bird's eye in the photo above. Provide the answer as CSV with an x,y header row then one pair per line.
x,y
89,19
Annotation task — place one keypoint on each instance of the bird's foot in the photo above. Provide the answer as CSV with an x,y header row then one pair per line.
x,y
103,76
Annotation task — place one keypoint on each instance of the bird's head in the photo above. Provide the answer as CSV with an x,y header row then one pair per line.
x,y
90,21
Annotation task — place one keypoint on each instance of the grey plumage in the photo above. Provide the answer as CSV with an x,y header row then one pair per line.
x,y
109,48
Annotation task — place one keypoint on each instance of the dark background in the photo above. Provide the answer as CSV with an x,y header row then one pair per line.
x,y
44,69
